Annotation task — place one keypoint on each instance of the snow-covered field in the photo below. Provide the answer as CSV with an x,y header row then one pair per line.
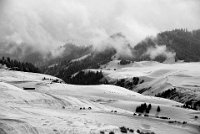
x,y
158,77
57,108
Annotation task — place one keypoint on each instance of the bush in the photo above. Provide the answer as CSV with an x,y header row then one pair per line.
x,y
102,132
111,132
131,130
184,122
138,131
123,129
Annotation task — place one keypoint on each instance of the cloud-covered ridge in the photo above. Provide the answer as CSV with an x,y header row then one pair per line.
x,y
46,24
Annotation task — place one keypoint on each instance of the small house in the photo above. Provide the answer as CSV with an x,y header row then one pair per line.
x,y
28,88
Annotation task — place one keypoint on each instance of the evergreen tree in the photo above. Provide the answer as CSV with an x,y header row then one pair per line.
x,y
158,109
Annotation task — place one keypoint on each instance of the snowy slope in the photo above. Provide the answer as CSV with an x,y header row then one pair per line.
x,y
158,77
55,108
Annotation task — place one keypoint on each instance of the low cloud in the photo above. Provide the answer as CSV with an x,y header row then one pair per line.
x,y
44,25
118,41
153,52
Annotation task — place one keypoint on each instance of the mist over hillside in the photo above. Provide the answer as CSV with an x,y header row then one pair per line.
x,y
178,44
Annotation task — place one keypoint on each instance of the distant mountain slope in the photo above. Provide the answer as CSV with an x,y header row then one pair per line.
x,y
66,67
178,44
184,43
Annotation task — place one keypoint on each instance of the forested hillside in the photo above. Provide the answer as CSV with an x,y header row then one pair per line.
x,y
19,66
65,69
184,43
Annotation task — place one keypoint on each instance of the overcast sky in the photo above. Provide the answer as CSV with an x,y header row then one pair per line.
x,y
46,24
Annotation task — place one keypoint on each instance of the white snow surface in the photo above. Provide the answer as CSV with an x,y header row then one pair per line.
x,y
54,108
158,76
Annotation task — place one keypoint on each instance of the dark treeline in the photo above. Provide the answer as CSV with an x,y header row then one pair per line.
x,y
176,95
88,78
168,93
19,66
192,104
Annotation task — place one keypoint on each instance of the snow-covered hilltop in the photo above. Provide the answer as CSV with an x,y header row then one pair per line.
x,y
50,106
177,81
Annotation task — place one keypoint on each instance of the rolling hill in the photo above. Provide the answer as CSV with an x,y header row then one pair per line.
x,y
181,80
55,107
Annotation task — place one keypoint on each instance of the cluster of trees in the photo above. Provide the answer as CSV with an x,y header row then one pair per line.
x,y
143,108
128,84
120,83
192,104
167,94
174,94
124,62
88,78
124,129
19,66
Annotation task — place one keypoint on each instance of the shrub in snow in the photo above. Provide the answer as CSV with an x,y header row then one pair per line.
x,y
123,129
163,117
131,130
111,132
138,131
158,109
102,132
184,122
